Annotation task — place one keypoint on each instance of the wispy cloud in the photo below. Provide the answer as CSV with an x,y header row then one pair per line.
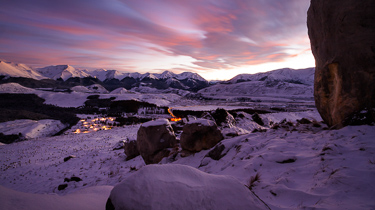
x,y
213,35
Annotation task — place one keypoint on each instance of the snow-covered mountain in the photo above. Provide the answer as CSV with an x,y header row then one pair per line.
x,y
18,70
62,71
104,74
300,76
260,88
281,82
182,76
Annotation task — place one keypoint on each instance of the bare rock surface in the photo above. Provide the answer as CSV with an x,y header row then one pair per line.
x,y
130,149
342,40
200,134
154,138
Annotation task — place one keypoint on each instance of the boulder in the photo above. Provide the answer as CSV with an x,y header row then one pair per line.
x,y
119,145
223,118
153,140
200,134
342,41
130,149
182,187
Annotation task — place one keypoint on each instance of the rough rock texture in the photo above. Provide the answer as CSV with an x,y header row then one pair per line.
x,y
342,40
223,118
153,140
200,134
174,186
130,149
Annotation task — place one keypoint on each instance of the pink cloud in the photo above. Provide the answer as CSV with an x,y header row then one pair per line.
x,y
217,34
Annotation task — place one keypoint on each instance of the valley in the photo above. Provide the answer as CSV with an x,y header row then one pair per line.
x,y
66,142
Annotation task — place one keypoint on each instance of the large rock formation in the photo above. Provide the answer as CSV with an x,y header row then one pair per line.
x,y
200,134
342,34
154,138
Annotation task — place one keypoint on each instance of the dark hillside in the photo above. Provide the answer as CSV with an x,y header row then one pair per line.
x,y
30,106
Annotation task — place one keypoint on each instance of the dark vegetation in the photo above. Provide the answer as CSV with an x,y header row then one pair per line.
x,y
50,83
110,84
30,106
7,139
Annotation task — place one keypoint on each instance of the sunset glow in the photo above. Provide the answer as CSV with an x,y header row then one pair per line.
x,y
216,39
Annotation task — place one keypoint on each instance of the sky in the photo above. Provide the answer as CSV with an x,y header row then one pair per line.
x,y
217,39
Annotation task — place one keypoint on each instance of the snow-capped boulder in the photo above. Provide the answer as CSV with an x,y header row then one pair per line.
x,y
200,134
180,187
130,149
154,138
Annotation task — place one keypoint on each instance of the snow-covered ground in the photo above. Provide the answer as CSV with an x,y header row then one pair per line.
x,y
296,166
32,128
305,167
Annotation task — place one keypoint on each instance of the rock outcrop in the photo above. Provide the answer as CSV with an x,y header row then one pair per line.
x,y
200,134
342,40
154,138
223,118
130,149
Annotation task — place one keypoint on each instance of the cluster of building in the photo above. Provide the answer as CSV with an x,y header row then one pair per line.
x,y
89,124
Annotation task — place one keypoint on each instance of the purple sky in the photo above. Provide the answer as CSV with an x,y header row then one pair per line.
x,y
215,38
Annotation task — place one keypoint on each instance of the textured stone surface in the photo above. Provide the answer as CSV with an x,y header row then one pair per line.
x,y
153,140
130,149
199,135
342,35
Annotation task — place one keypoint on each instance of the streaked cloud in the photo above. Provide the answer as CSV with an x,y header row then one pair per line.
x,y
131,35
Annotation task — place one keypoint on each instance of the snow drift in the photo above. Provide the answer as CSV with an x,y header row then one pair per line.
x,y
180,187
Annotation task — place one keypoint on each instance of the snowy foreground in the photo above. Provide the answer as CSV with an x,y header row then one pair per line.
x,y
302,168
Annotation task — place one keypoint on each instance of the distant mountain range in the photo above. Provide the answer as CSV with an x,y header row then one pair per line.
x,y
110,79
288,81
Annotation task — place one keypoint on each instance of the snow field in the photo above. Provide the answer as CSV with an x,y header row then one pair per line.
x,y
306,168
